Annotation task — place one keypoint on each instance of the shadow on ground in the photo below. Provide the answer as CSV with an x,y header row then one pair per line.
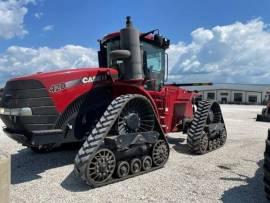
x,y
27,165
251,191
178,145
74,184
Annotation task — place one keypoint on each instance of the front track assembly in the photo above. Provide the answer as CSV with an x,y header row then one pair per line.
x,y
207,131
126,142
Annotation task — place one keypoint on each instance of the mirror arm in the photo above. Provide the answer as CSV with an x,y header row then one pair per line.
x,y
120,54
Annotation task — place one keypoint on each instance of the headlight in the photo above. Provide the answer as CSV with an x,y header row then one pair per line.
x,y
26,111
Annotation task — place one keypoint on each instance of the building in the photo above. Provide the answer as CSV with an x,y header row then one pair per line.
x,y
235,93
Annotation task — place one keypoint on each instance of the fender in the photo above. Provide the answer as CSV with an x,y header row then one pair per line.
x,y
121,88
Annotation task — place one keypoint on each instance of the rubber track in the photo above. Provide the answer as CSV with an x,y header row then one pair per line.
x,y
103,127
197,126
266,167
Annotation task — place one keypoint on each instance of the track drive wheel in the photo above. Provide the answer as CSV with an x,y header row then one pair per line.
x,y
100,167
160,153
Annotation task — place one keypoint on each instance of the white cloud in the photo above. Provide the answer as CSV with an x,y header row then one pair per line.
x,y
233,53
48,28
38,15
12,14
18,61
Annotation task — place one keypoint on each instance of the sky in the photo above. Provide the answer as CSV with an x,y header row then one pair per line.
x,y
221,41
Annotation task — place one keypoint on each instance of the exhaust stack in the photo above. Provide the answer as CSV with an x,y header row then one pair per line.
x,y
130,40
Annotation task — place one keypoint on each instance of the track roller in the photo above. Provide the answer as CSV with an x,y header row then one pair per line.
x,y
218,142
135,166
123,169
210,145
214,144
146,163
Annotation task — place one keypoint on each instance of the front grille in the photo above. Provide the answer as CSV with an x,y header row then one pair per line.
x,y
28,93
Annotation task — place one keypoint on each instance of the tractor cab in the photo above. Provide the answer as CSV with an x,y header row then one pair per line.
x,y
151,61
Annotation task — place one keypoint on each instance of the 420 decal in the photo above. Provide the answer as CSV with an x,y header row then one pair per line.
x,y
90,79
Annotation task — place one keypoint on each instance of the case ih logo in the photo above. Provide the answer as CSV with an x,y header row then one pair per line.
x,y
94,78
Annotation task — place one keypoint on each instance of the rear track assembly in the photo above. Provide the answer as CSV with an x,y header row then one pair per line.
x,y
207,131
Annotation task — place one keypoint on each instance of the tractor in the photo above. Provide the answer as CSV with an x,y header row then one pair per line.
x,y
265,116
120,112
266,167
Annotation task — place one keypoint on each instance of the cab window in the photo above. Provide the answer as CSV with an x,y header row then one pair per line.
x,y
155,62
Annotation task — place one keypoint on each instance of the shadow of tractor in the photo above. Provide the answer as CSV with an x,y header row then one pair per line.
x,y
251,191
179,145
27,165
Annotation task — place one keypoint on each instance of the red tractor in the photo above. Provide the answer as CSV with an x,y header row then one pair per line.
x,y
121,110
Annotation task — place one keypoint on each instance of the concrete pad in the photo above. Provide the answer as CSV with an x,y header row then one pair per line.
x,y
4,177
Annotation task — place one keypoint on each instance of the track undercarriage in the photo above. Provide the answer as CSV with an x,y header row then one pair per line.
x,y
126,142
207,131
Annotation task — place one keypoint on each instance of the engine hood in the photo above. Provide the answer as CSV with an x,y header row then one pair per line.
x,y
65,86
65,75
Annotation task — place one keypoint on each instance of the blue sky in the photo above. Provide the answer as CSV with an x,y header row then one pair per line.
x,y
83,22
59,26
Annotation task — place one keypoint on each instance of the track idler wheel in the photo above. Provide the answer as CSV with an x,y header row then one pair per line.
x,y
210,145
146,163
223,137
203,143
135,166
100,167
122,169
160,153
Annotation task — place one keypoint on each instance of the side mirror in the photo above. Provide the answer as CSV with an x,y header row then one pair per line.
x,y
120,54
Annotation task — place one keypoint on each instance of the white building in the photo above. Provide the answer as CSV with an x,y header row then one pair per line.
x,y
235,93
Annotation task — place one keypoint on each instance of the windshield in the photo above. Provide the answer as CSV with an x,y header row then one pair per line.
x,y
154,60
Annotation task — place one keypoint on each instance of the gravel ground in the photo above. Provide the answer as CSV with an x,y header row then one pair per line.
x,y
230,174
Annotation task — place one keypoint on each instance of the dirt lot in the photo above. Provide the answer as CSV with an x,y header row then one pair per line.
x,y
230,174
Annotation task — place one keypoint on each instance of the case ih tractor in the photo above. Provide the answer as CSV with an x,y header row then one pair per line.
x,y
120,111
